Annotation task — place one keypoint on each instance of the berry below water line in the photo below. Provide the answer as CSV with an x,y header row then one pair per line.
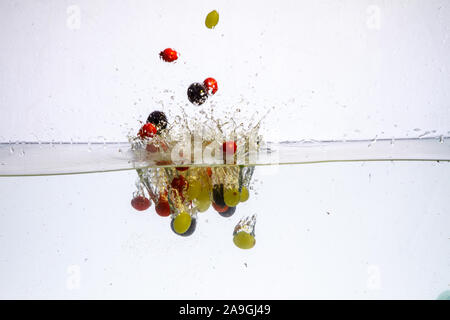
x,y
189,231
162,208
228,213
229,147
231,197
140,203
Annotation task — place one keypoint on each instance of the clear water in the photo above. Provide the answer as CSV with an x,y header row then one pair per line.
x,y
365,229
69,158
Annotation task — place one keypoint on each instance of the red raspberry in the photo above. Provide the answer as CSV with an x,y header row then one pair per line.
x,y
211,85
168,55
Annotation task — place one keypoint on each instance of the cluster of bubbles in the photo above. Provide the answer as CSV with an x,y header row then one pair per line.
x,y
182,191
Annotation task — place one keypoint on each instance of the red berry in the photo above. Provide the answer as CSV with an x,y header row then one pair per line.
x,y
154,147
182,168
211,85
162,208
219,208
148,130
229,147
141,203
168,55
163,162
180,184
209,171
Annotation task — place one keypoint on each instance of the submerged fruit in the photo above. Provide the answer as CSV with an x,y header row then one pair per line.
x,y
148,130
189,231
197,93
168,55
141,203
244,194
158,119
194,188
162,208
218,195
211,85
180,184
202,203
212,19
244,240
231,197
218,208
228,213
182,222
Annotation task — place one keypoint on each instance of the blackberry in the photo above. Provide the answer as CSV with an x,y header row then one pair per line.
x,y
197,93
158,118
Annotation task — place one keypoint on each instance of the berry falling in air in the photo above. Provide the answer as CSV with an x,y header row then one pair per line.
x,y
218,208
231,197
148,130
212,19
229,148
168,55
218,195
181,223
197,93
244,240
158,119
211,85
140,203
189,231
180,184
244,194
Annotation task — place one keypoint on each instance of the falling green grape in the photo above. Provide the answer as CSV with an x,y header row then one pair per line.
x,y
244,194
212,19
182,222
194,188
244,240
231,197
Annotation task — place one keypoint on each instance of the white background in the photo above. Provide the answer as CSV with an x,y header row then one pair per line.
x,y
89,70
